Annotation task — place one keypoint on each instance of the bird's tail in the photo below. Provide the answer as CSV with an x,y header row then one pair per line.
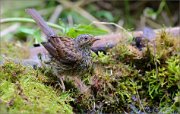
x,y
41,23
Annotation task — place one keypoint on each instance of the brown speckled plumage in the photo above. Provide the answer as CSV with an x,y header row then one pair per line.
x,y
68,56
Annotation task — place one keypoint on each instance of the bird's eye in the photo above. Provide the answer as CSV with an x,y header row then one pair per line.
x,y
85,38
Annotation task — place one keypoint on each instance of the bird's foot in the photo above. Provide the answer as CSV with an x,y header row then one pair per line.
x,y
80,85
62,84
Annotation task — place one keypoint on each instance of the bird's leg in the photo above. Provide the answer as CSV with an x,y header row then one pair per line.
x,y
61,78
80,85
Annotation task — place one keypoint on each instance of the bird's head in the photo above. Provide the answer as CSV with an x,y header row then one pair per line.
x,y
85,40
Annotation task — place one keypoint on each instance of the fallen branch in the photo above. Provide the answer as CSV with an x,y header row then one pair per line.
x,y
109,41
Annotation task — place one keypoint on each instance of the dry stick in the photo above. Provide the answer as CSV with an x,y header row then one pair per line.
x,y
84,2
120,27
70,20
140,101
152,23
10,29
56,14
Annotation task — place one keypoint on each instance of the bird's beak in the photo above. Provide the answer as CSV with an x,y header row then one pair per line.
x,y
93,40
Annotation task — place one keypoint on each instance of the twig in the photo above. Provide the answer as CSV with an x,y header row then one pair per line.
x,y
155,60
10,29
56,14
88,16
110,23
81,3
70,20
152,23
140,101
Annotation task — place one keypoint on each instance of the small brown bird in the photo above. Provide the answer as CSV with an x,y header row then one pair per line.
x,y
68,56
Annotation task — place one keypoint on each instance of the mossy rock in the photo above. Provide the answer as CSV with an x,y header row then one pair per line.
x,y
125,79
22,91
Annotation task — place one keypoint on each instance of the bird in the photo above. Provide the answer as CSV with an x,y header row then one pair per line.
x,y
68,56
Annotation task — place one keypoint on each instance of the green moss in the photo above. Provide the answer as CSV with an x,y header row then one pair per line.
x,y
10,49
124,80
22,91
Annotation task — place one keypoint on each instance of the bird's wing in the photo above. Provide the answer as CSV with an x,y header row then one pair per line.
x,y
50,49
65,49
61,48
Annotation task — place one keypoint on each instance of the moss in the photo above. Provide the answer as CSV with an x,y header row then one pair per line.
x,y
10,49
129,80
23,91
125,80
